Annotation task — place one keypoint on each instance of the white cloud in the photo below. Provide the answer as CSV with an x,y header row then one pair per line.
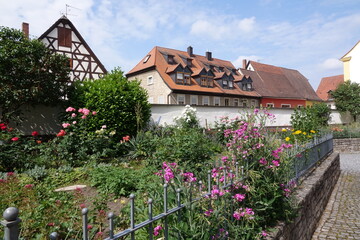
x,y
331,64
238,63
246,24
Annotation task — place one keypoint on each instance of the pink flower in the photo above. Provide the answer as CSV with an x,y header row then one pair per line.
x,y
237,215
157,230
73,115
264,234
29,186
189,177
10,174
74,122
85,111
239,197
276,163
65,125
208,212
2,180
70,109
224,158
94,113
14,139
61,133
103,126
82,205
83,116
51,224
34,133
89,227
263,161
126,138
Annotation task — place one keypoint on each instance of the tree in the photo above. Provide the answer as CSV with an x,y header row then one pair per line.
x,y
29,73
120,104
347,98
322,113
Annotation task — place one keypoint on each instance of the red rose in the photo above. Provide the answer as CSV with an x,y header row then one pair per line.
x,y
14,139
34,133
61,133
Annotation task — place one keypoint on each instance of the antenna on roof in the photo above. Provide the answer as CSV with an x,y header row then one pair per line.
x,y
68,10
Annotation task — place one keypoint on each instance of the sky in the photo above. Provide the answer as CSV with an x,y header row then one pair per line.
x,y
308,35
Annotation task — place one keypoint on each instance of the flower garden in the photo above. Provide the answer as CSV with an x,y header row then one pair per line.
x,y
34,166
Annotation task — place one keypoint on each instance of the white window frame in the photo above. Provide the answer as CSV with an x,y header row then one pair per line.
x,y
236,102
285,105
231,84
192,97
151,100
228,101
150,80
217,101
208,100
178,98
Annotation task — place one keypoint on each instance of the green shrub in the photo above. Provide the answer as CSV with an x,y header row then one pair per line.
x,y
120,104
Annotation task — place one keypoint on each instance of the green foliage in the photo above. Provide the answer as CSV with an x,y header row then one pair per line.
x,y
121,181
29,73
347,98
348,131
305,119
322,113
121,104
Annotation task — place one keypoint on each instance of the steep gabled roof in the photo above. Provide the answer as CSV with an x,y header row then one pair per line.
x,y
158,61
328,84
277,82
345,57
65,20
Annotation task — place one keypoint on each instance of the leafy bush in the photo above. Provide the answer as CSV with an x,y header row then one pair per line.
x,y
188,118
120,104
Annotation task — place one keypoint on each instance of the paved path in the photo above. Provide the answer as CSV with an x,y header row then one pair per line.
x,y
341,218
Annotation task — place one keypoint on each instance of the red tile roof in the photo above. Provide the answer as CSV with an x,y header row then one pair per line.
x,y
328,84
157,60
277,82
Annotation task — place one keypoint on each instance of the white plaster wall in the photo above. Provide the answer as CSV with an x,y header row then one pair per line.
x,y
165,114
355,64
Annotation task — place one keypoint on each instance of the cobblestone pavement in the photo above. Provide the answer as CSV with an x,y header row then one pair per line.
x,y
341,218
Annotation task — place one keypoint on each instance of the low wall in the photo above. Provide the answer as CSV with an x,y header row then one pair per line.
x,y
348,145
313,195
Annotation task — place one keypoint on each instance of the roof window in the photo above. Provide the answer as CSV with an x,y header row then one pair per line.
x,y
146,58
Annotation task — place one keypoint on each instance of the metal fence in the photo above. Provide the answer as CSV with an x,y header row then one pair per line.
x,y
310,154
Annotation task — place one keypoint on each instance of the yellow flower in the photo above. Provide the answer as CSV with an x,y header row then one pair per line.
x,y
304,133
287,139
283,130
312,131
298,132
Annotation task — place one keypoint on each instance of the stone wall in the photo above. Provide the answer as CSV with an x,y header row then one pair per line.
x,y
348,145
313,195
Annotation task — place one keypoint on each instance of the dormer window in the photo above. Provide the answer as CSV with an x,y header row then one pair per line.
x,y
171,59
221,69
225,83
189,62
183,78
231,84
206,81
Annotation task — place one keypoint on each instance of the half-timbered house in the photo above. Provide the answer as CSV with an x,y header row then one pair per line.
x,y
63,38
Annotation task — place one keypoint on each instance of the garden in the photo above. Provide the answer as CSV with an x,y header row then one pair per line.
x,y
116,153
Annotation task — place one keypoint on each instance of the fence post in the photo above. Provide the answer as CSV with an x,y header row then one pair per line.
x,y
84,213
111,225
11,223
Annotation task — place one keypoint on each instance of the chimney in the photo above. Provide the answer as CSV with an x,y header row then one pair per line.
x,y
25,29
190,51
244,63
208,55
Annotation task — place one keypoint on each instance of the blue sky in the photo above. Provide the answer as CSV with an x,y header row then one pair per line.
x,y
306,35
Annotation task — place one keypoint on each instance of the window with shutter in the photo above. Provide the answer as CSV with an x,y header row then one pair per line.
x,y
64,36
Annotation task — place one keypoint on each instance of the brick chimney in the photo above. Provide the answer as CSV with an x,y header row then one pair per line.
x,y
244,63
190,51
25,29
208,55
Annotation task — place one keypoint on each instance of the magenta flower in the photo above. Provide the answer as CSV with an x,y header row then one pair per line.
x,y
157,230
83,116
94,113
189,177
29,186
264,233
276,163
73,115
208,212
14,139
239,197
263,161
